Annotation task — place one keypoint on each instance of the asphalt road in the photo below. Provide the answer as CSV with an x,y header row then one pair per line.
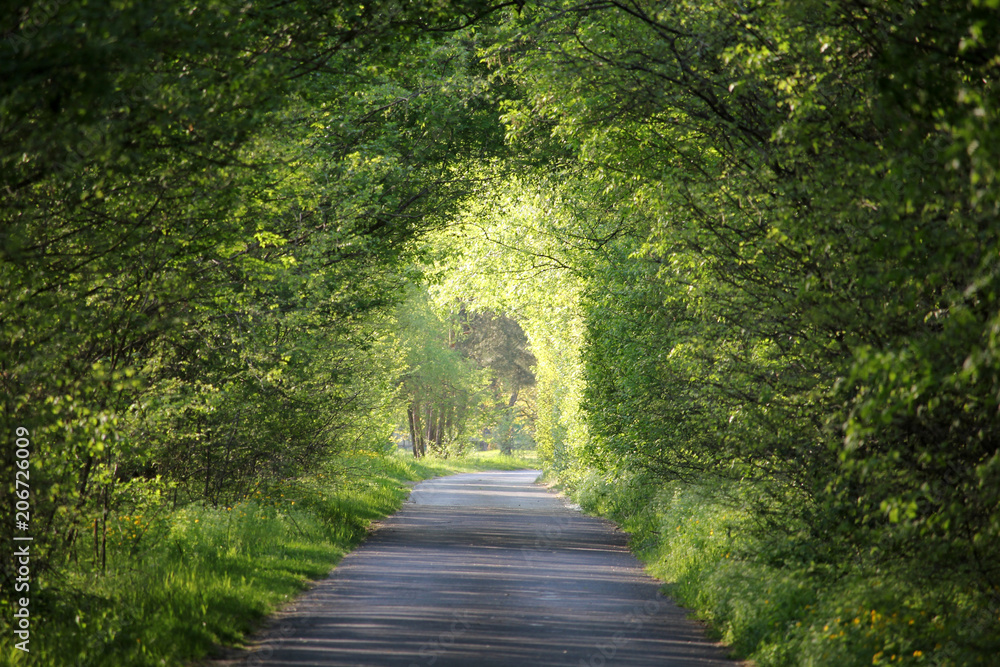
x,y
482,570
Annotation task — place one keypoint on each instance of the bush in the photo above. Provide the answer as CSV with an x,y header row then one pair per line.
x,y
764,596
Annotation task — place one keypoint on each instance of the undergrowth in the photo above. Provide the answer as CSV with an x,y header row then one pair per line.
x,y
780,611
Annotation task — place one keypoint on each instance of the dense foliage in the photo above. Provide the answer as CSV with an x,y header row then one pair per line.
x,y
753,248
209,213
784,216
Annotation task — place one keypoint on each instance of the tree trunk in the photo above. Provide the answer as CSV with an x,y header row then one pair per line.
x,y
412,413
104,527
513,397
208,470
439,430
431,425
71,535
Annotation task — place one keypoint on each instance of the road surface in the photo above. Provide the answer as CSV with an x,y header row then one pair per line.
x,y
486,570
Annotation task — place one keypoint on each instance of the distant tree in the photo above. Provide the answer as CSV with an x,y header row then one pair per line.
x,y
498,343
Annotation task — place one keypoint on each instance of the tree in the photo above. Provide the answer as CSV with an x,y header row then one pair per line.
x,y
208,216
444,392
790,267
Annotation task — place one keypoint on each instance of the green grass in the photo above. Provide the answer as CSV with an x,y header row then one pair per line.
x,y
782,611
206,577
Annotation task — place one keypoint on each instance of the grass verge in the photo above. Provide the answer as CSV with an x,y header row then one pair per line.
x,y
180,583
767,599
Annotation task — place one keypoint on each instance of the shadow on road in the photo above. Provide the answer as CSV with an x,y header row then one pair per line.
x,y
486,569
